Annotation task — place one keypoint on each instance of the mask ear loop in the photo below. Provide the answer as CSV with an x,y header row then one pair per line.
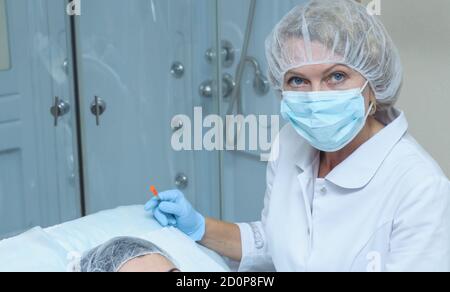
x,y
364,87
369,112
373,104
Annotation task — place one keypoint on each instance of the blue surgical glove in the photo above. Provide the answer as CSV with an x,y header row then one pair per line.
x,y
171,208
163,218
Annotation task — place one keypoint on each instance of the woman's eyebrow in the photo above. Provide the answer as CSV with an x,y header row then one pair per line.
x,y
326,72
294,73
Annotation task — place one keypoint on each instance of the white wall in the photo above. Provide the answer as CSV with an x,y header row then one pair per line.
x,y
421,30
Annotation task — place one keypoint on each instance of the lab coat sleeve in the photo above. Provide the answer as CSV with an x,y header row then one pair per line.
x,y
255,254
255,257
420,239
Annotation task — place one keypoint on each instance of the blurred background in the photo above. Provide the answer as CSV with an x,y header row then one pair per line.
x,y
87,101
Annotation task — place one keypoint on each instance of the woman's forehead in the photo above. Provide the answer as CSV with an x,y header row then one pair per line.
x,y
298,53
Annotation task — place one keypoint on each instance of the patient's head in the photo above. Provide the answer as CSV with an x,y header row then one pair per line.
x,y
126,254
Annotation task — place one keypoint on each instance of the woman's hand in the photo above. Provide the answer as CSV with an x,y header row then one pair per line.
x,y
171,208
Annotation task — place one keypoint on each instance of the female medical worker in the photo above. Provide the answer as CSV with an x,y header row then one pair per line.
x,y
350,189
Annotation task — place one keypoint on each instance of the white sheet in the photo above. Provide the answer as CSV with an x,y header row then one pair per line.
x,y
53,249
33,251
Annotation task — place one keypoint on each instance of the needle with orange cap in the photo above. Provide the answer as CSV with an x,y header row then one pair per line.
x,y
154,191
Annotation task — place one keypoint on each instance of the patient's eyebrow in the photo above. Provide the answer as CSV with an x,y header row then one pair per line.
x,y
174,270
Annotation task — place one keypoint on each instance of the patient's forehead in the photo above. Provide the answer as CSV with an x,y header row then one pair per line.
x,y
148,263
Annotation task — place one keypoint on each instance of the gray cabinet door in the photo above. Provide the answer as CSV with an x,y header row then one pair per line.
x,y
126,50
38,173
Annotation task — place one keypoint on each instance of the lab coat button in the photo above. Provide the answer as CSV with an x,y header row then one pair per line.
x,y
323,191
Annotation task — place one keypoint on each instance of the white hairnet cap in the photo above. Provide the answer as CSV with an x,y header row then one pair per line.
x,y
336,31
114,254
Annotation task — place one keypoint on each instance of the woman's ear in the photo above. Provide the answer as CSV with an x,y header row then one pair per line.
x,y
373,100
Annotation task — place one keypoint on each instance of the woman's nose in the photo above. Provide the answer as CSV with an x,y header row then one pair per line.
x,y
318,86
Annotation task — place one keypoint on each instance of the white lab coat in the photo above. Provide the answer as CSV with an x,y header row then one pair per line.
x,y
385,208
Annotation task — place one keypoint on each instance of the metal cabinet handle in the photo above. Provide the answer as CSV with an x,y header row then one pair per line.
x,y
228,84
98,107
59,109
181,181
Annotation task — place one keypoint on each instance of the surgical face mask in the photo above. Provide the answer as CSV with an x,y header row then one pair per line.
x,y
328,120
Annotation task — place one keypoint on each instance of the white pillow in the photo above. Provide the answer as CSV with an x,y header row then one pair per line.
x,y
33,251
88,232
83,234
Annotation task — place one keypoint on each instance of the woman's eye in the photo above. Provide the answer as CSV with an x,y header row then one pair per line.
x,y
296,82
337,78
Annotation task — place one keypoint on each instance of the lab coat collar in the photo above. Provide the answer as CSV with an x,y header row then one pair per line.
x,y
361,166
